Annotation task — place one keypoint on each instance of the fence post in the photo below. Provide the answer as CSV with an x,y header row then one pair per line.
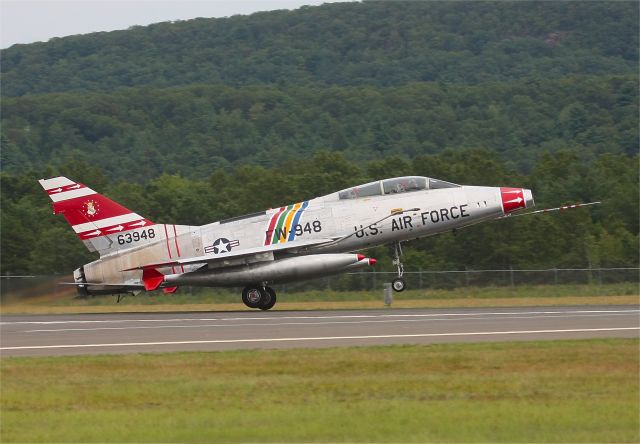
x,y
466,276
555,276
420,279
511,275
388,294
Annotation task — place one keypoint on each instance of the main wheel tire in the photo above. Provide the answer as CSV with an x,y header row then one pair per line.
x,y
398,284
269,299
252,296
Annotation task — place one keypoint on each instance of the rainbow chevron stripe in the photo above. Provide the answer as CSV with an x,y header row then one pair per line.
x,y
282,224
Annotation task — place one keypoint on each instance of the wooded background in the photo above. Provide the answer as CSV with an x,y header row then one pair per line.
x,y
193,121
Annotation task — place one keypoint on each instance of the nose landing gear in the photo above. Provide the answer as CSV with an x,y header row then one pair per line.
x,y
259,296
398,284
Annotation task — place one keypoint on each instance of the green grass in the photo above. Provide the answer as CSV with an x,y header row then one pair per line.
x,y
552,391
225,296
228,300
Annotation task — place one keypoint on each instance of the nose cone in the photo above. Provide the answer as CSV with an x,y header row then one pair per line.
x,y
515,198
528,198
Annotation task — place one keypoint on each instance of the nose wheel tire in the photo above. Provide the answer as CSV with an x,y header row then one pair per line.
x,y
255,296
398,284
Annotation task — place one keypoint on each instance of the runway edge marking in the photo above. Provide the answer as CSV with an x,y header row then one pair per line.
x,y
325,338
254,318
280,324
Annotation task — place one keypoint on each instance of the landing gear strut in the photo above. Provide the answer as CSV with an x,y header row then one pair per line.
x,y
398,284
259,296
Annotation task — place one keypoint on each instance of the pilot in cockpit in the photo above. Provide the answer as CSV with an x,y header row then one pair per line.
x,y
398,188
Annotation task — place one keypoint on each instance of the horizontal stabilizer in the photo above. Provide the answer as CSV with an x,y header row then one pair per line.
x,y
103,284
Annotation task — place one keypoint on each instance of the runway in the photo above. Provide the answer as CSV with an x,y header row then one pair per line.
x,y
40,335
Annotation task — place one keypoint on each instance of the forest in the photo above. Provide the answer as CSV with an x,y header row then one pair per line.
x,y
194,121
140,133
373,43
35,241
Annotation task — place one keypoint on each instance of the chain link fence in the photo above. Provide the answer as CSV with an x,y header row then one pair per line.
x,y
448,279
47,286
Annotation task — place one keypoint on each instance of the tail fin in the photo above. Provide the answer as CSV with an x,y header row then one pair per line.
x,y
93,217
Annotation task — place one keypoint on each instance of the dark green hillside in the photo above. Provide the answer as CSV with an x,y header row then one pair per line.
x,y
195,121
371,43
138,134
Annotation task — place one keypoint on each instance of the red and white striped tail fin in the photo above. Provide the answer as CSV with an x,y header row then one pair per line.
x,y
96,219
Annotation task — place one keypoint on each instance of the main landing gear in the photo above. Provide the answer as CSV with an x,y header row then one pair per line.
x,y
398,284
259,296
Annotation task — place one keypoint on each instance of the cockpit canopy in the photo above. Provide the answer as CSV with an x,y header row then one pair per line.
x,y
393,186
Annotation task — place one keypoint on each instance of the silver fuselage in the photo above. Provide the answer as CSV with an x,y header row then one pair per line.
x,y
353,224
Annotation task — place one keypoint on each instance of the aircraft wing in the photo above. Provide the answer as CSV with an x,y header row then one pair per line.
x,y
127,286
249,254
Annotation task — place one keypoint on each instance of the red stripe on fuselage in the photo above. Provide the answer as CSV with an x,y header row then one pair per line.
x,y
175,237
166,235
272,225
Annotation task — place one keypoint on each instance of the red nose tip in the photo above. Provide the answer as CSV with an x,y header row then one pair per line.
x,y
372,261
360,257
513,199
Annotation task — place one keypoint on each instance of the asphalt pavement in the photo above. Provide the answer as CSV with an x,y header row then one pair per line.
x,y
76,334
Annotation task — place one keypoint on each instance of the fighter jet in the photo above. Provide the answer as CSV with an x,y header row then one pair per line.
x,y
300,241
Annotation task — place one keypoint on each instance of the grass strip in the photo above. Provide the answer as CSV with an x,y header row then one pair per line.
x,y
225,300
548,391
327,305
